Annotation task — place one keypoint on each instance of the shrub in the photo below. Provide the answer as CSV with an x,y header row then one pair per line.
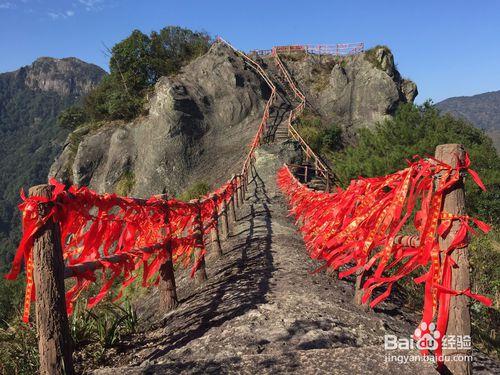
x,y
417,130
136,64
126,183
321,137
18,349
72,117
197,190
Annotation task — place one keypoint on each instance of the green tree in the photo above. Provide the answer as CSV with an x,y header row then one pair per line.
x,y
130,63
72,117
417,130
136,64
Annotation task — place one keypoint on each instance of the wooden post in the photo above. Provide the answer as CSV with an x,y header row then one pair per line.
x,y
358,290
459,317
224,221
167,287
232,211
305,174
55,345
216,247
234,182
168,291
240,190
245,183
201,274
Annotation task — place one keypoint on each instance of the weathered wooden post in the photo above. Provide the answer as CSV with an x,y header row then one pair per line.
x,y
168,291
167,287
240,189
216,247
55,345
224,220
459,317
201,274
244,183
358,290
234,182
232,211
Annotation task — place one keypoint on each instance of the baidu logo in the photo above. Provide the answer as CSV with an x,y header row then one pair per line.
x,y
425,337
426,340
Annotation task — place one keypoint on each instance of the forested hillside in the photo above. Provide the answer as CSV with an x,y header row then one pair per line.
x,y
30,101
482,110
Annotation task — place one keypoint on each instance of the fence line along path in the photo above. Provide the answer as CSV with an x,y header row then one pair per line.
x,y
254,304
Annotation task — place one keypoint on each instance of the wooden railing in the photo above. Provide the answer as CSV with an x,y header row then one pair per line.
x,y
320,166
340,49
50,269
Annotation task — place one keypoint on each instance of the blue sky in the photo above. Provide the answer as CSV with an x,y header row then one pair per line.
x,y
449,48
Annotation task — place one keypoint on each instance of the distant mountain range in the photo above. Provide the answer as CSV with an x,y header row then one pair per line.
x,y
482,110
30,100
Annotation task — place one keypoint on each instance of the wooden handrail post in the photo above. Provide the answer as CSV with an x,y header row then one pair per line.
x,y
459,317
234,182
55,345
232,211
224,221
168,291
216,247
239,189
358,290
167,287
201,273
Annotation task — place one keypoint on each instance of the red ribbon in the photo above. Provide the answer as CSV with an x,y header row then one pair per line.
x,y
356,228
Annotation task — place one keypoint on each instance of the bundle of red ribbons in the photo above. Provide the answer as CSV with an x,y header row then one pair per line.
x,y
145,233
356,228
93,227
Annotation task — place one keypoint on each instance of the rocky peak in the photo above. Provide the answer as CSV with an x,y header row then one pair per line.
x,y
67,77
352,91
201,120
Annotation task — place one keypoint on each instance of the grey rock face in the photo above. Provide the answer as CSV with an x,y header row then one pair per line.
x,y
68,76
200,122
355,91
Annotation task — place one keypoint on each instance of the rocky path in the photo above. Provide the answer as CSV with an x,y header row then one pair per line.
x,y
262,311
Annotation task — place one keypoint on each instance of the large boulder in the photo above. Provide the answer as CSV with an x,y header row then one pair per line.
x,y
202,120
199,125
353,91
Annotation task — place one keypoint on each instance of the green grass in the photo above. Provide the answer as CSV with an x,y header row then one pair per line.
x,y
371,55
195,191
125,184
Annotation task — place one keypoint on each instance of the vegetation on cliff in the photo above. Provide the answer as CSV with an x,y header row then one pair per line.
x,y
30,100
417,130
136,63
